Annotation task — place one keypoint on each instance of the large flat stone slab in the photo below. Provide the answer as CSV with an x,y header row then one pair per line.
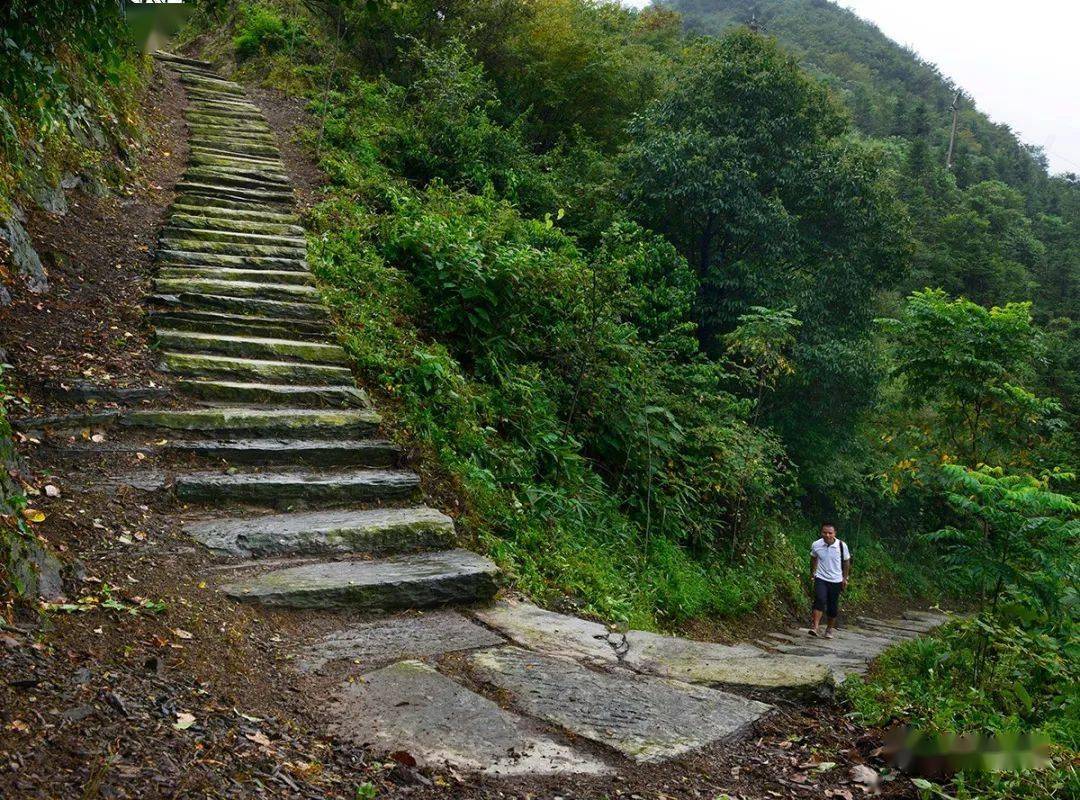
x,y
253,347
409,706
708,663
292,452
281,488
263,421
377,530
271,394
548,632
405,636
646,719
208,365
427,580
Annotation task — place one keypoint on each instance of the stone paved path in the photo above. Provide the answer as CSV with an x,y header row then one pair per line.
x,y
308,508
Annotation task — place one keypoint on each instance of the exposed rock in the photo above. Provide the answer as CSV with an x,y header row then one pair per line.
x,y
282,488
261,421
646,719
374,644
23,256
409,706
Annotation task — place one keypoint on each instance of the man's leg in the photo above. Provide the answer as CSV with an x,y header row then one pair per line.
x,y
820,603
832,607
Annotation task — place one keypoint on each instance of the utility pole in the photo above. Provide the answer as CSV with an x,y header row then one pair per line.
x,y
952,136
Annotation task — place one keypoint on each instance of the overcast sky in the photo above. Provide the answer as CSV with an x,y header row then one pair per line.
x,y
1019,60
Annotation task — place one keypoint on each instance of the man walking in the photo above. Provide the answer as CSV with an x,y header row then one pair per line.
x,y
830,563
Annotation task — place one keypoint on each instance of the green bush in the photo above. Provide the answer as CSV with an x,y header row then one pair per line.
x,y
263,30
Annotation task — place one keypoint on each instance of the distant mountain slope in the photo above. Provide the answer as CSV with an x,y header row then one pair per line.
x,y
888,88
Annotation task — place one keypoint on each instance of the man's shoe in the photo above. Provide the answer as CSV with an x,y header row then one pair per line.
x,y
829,634
812,631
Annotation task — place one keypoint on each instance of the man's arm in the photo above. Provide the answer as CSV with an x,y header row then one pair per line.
x,y
813,565
845,566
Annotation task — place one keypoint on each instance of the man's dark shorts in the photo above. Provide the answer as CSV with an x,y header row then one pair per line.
x,y
827,597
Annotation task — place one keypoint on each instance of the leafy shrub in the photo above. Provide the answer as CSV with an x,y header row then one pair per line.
x,y
263,30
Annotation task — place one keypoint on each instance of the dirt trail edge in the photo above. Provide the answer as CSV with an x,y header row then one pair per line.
x,y
336,618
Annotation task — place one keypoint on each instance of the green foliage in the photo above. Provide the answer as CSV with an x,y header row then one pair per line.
x,y
964,373
262,31
67,72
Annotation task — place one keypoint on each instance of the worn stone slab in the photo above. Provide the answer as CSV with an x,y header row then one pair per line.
x,y
223,235
552,633
244,306
234,193
335,452
263,291
184,258
379,531
206,365
901,625
409,706
279,488
242,148
373,644
253,347
424,580
237,324
274,394
206,222
708,663
194,272
200,210
646,719
263,421
244,249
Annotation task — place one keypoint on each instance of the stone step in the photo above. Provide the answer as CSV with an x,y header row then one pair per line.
x,y
173,58
238,325
425,580
409,707
224,102
219,85
240,237
265,291
273,394
243,215
234,192
225,274
247,121
263,422
187,258
233,368
243,306
243,249
207,202
253,179
224,145
252,347
226,112
207,157
227,224
646,719
263,174
377,531
298,452
284,488
231,133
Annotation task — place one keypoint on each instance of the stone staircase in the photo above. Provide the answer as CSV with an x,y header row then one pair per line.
x,y
278,456
239,323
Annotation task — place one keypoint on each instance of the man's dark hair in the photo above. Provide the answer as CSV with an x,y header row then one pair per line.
x,y
825,525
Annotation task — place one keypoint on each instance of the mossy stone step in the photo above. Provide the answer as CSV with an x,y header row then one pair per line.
x,y
234,368
213,84
245,121
228,274
225,112
227,146
229,225
426,580
234,192
265,291
224,213
273,394
377,531
241,177
283,488
233,248
232,133
239,237
237,324
229,421
224,102
195,259
209,157
293,452
252,347
173,58
244,306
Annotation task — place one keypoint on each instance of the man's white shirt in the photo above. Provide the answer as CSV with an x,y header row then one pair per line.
x,y
829,567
